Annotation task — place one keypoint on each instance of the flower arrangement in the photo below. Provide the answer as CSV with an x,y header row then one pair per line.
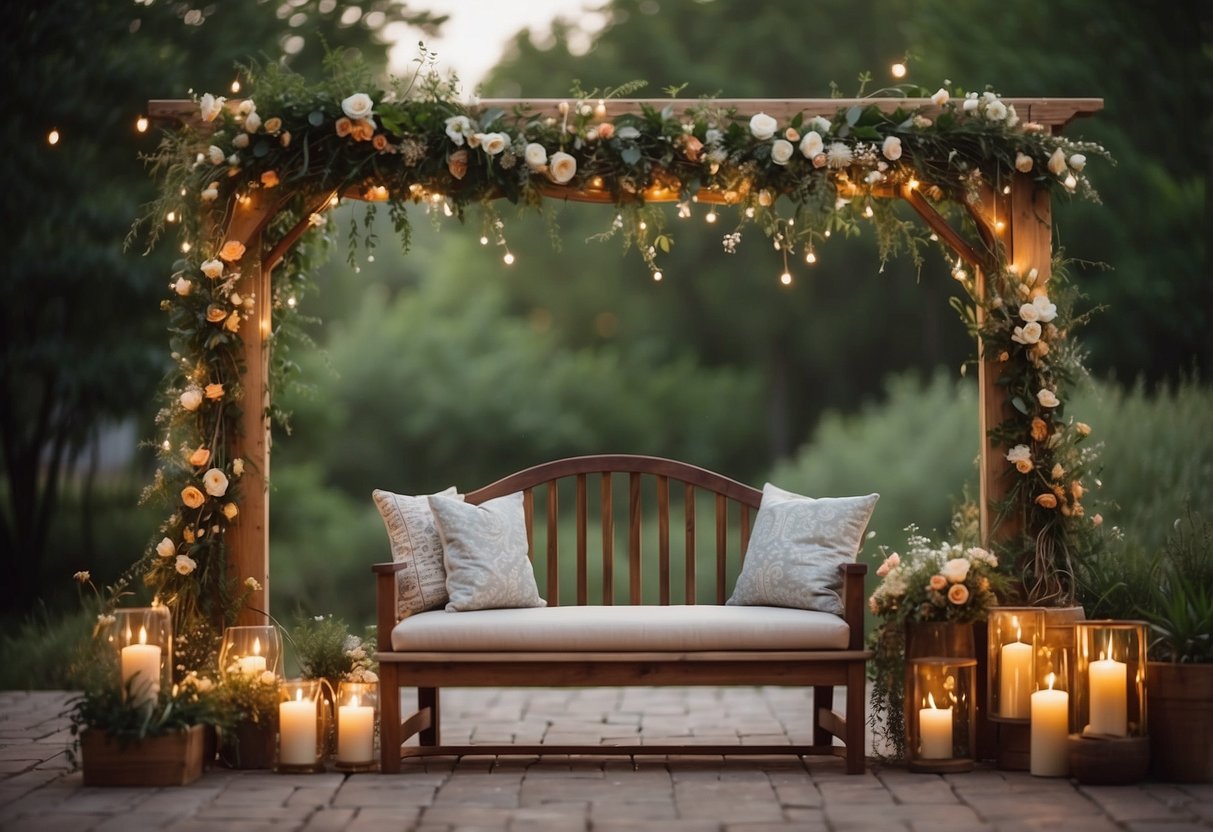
x,y
327,650
930,582
302,147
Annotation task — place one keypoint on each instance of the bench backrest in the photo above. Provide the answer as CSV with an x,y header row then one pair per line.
x,y
579,477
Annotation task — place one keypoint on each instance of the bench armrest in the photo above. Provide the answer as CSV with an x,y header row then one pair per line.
x,y
385,601
853,605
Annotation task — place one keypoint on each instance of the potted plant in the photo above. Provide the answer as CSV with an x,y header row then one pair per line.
x,y
248,727
328,651
943,587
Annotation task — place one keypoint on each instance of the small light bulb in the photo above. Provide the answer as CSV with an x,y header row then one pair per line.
x,y
171,216
236,86
749,211
657,276
643,225
484,241
710,216
867,212
53,137
141,124
810,258
435,198
913,183
1006,189
292,301
185,248
999,226
166,445
898,70
508,259
334,199
786,279
934,237
827,233
791,221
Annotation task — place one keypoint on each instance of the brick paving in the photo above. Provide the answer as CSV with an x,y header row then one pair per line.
x,y
575,794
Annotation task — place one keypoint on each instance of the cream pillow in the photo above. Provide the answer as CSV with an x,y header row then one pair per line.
x,y
414,539
797,547
484,548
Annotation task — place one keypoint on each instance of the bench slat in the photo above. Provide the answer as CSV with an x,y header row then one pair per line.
x,y
634,539
722,544
663,537
745,530
553,555
688,509
582,576
608,543
528,513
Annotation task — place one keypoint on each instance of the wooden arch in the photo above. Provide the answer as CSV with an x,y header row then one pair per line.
x,y
1018,219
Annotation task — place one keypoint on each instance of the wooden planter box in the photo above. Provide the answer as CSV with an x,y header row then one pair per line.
x,y
170,760
1180,714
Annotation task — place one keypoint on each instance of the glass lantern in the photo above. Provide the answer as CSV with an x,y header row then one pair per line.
x,y
1015,636
1055,653
357,716
941,715
142,638
1110,678
250,651
301,736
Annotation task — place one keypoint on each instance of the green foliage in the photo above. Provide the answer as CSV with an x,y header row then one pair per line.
x,y
326,649
246,699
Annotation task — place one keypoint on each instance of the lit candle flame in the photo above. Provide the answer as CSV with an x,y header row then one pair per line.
x,y
1050,679
143,635
354,701
299,694
257,646
931,700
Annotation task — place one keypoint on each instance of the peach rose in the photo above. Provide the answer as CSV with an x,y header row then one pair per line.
x,y
1046,501
214,391
1040,429
362,130
457,164
606,130
185,564
215,313
1083,428
1023,466
691,147
232,251
187,534
379,142
344,126
938,583
1076,490
269,179
192,497
230,510
166,548
232,324
958,594
272,125
200,457
1096,520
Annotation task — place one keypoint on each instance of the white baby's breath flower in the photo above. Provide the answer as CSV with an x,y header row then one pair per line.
x,y
252,583
237,466
762,126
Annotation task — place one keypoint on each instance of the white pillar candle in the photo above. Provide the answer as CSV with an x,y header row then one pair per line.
x,y
141,670
297,731
1109,697
253,665
1014,680
935,731
1050,732
355,733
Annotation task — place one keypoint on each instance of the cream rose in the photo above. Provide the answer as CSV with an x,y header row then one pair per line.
x,y
782,151
238,466
1078,162
494,143
252,123
940,97
358,105
191,399
1029,333
1057,162
891,148
811,145
215,155
185,564
536,156
1082,428
1047,398
762,126
166,548
1046,310
210,106
1020,453
240,141
215,482
562,167
955,570
212,268
230,510
183,286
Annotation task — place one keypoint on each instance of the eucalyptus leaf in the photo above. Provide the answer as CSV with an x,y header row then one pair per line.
x,y
315,118
854,114
630,155
1018,404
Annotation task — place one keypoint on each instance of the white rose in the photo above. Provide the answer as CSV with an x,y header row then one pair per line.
x,y
1020,453
970,102
212,268
820,123
183,286
494,143
996,111
1029,312
1078,161
940,97
811,145
166,548
252,123
891,148
247,106
186,564
1012,116
191,399
215,154
1057,162
211,106
1046,311
240,142
457,127
762,126
358,106
536,156
215,482
1023,163
1047,398
782,151
955,570
562,167
1029,333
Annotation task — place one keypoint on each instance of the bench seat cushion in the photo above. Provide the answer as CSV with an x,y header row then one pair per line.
x,y
623,628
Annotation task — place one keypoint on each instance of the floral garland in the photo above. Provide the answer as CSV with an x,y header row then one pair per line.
x,y
417,143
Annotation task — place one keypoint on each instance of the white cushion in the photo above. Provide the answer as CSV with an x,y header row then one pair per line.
x,y
415,542
797,548
627,629
484,549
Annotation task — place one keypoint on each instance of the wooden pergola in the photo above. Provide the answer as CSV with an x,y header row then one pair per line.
x,y
1016,219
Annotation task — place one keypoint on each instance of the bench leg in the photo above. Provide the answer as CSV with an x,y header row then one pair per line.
x,y
856,718
389,718
823,697
428,698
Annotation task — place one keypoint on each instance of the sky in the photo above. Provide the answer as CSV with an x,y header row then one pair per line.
x,y
473,38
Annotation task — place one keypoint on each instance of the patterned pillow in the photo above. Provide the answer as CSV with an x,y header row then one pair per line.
x,y
415,541
796,548
484,548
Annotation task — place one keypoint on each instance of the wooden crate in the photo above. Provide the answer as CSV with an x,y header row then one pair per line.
x,y
170,760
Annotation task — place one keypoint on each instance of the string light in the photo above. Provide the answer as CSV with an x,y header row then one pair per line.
x,y
185,248
999,226
786,278
141,124
235,86
508,259
643,225
334,200
749,212
898,70
810,258
484,241
913,183
292,301
52,137
171,216
1006,189
657,275
868,212
710,216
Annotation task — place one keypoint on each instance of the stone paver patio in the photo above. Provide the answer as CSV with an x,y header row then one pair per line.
x,y
555,794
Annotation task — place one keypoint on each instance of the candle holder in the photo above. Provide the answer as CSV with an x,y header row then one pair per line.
x,y
250,651
1109,702
1015,636
301,736
142,638
941,715
357,719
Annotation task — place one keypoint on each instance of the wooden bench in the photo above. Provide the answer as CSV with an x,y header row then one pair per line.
x,y
823,669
